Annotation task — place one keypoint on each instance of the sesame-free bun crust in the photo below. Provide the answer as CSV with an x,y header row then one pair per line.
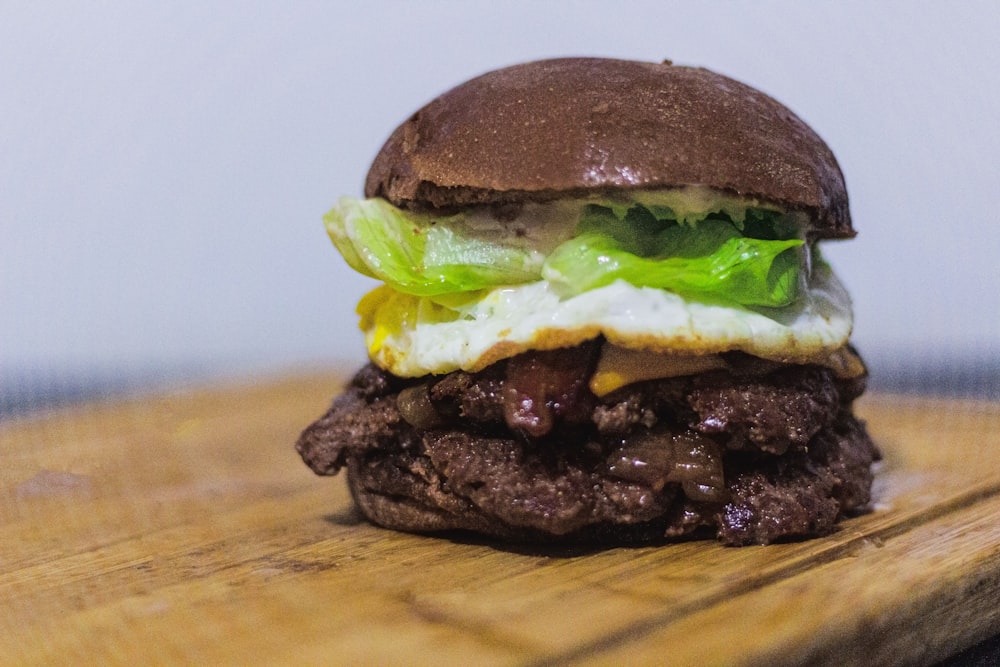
x,y
578,127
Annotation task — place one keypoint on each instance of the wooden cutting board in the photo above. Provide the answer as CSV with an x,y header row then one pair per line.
x,y
182,528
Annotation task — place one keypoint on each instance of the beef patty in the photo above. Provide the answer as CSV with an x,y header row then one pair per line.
x,y
523,451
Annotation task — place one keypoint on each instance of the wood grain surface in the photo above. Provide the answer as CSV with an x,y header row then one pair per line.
x,y
182,528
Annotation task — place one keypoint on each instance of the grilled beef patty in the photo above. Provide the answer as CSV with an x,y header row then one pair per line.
x,y
524,451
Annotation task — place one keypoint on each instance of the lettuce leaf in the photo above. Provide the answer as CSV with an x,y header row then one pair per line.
x,y
424,255
711,259
753,261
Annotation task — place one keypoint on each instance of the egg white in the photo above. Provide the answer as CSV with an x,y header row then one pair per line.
x,y
413,336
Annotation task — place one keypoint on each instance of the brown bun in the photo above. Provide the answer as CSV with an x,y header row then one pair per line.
x,y
575,127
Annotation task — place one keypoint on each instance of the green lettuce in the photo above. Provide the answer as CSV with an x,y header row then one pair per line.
x,y
753,260
713,259
425,255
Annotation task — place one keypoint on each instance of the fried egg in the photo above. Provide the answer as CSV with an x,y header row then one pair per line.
x,y
413,336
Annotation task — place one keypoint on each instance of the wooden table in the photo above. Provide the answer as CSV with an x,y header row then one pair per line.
x,y
184,528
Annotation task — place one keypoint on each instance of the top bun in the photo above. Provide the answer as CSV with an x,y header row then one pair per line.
x,y
577,127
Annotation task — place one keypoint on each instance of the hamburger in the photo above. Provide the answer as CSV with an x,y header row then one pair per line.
x,y
604,316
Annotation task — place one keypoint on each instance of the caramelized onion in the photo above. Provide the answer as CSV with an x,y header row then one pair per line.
x,y
415,407
648,458
657,457
704,492
698,467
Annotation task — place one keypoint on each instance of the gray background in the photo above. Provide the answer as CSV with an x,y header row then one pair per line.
x,y
164,168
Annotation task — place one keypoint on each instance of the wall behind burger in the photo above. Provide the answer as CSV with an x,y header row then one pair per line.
x,y
164,167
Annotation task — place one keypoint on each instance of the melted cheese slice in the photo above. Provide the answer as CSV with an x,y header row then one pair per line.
x,y
618,367
412,336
